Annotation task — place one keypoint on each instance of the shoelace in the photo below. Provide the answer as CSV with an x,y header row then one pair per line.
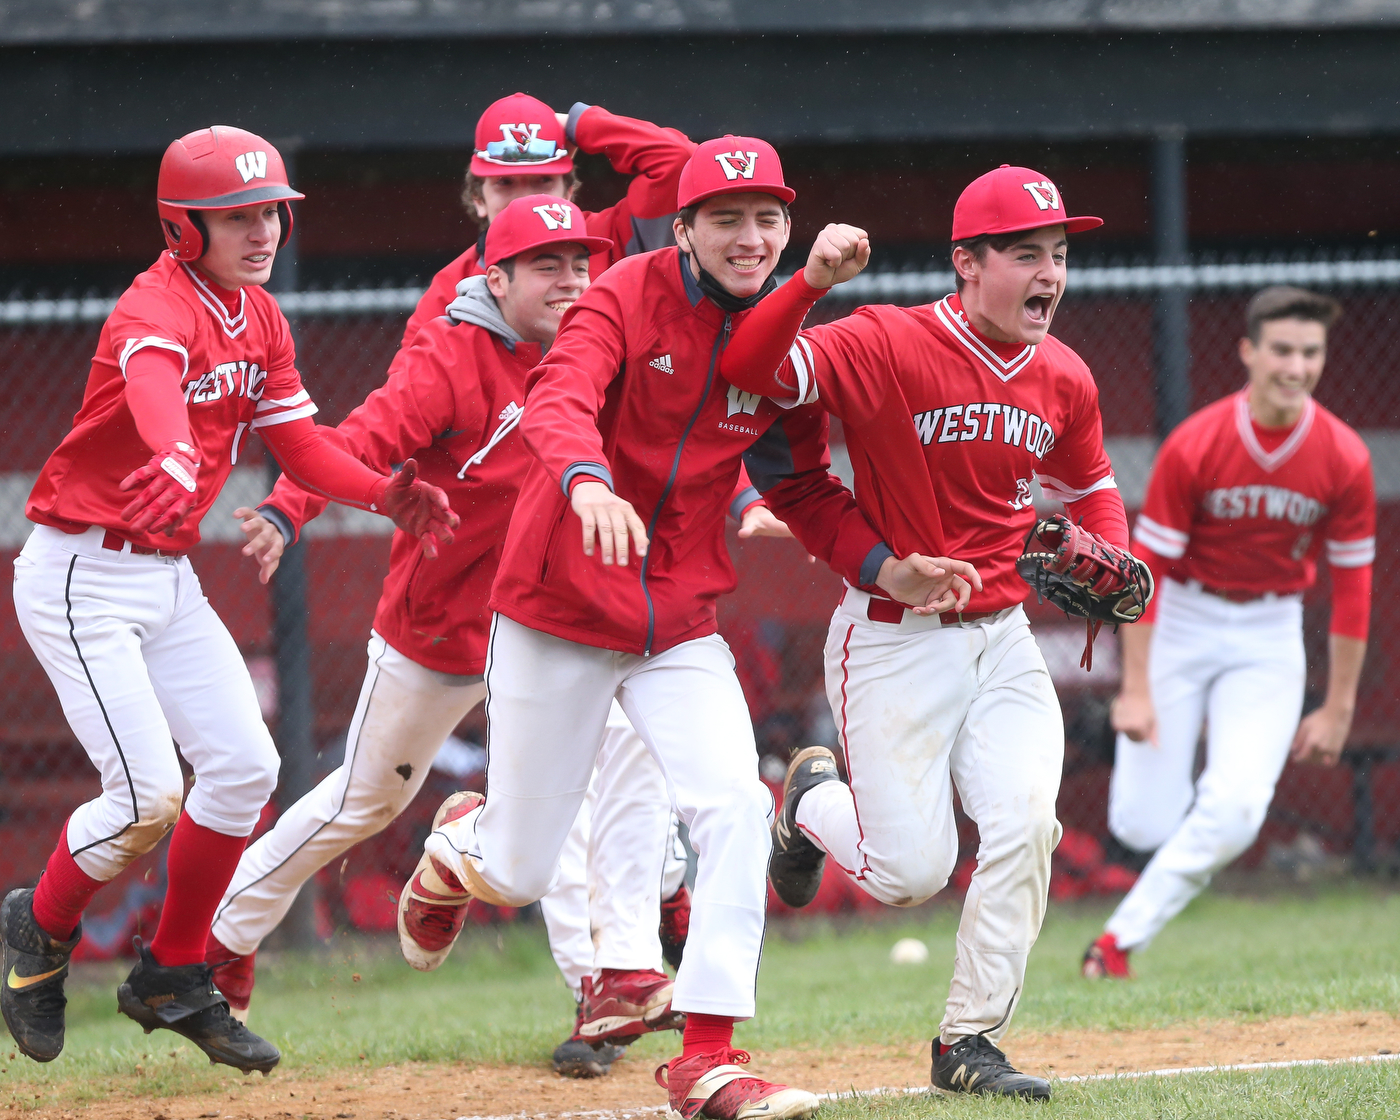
x,y
440,918
722,1058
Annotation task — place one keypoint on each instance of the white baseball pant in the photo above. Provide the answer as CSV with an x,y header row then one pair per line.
x,y
138,657
549,702
922,707
404,713
1239,668
616,866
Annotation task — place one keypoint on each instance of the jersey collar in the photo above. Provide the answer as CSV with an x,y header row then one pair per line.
x,y
233,325
1271,460
1004,359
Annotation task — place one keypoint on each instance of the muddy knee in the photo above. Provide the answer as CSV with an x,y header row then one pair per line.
x,y
160,809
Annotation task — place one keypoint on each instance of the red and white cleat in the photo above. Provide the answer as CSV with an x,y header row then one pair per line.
x,y
233,976
713,1085
675,926
1103,960
433,903
622,1005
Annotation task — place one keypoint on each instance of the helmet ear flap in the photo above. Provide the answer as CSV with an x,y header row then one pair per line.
x,y
199,240
284,214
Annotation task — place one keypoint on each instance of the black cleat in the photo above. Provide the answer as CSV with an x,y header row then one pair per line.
x,y
974,1065
183,999
577,1057
795,868
35,967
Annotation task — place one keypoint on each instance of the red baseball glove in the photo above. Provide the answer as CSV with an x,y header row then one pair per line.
x,y
171,482
1085,576
418,508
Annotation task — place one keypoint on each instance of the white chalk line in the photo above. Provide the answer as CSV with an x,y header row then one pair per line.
x,y
914,1090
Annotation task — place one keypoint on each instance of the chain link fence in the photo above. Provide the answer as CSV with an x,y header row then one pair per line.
x,y
776,621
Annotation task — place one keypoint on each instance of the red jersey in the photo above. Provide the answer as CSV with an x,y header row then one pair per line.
x,y
639,223
1223,510
947,430
629,393
452,401
239,374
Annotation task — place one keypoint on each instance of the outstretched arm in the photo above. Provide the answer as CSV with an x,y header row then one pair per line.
x,y
652,154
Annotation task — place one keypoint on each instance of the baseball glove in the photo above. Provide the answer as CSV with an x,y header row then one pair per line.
x,y
1085,576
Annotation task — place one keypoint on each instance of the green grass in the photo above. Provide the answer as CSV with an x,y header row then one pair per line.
x,y
499,999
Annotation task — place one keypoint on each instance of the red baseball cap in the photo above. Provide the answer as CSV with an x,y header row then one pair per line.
x,y
535,220
520,135
732,165
1010,199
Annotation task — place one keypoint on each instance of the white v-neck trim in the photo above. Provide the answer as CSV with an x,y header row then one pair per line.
x,y
1271,460
232,327
958,327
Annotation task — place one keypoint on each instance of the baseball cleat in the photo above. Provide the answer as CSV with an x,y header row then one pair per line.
x,y
975,1065
183,999
795,868
624,1004
1103,960
713,1085
433,903
675,926
35,966
577,1057
235,976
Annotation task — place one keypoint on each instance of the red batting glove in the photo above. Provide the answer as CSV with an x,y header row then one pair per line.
x,y
170,483
418,508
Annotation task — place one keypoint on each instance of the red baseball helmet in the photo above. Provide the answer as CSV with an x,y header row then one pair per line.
x,y
1010,199
217,168
732,165
536,220
520,135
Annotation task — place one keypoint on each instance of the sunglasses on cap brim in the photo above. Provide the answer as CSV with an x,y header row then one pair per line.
x,y
507,151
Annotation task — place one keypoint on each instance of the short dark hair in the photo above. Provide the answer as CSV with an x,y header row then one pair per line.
x,y
507,265
979,245
690,213
1285,302
471,192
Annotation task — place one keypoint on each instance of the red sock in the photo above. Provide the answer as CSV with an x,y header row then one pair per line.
x,y
199,869
63,892
706,1034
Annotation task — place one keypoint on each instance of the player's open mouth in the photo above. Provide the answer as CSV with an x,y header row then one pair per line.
x,y
744,264
258,258
1038,308
559,305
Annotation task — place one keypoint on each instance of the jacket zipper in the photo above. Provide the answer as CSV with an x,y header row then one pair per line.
x,y
721,341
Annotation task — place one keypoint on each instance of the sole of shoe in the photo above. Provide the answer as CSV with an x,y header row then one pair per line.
x,y
786,1104
796,898
579,1060
1025,1094
131,1006
424,960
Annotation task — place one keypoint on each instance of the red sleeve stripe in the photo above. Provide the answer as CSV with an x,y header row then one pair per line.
x,y
135,344
1161,539
1059,491
1351,554
269,419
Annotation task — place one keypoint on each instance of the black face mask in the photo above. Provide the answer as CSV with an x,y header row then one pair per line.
x,y
724,299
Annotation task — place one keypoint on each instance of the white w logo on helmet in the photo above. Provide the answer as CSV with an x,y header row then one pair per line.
x,y
737,165
252,165
556,215
1044,193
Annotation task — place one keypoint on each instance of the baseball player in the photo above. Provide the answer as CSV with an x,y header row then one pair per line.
x,y
1244,497
627,414
193,358
524,147
951,410
452,401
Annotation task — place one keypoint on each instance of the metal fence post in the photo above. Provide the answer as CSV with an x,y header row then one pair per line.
x,y
296,720
1171,327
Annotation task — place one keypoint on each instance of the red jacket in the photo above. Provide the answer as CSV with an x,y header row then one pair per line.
x,y
447,396
639,223
630,393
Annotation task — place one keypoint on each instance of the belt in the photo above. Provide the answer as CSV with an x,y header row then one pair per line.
x,y
1235,595
885,610
114,543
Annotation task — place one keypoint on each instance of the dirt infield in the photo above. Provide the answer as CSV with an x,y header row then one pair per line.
x,y
428,1092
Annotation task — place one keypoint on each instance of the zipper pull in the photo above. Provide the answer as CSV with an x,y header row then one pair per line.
x,y
726,331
